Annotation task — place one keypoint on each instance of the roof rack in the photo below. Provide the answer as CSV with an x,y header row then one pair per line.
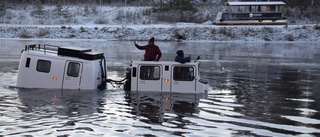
x,y
45,48
78,52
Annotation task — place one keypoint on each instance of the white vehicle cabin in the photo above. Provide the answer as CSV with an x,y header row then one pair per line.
x,y
165,76
54,67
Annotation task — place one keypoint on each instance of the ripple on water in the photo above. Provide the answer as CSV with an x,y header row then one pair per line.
x,y
254,94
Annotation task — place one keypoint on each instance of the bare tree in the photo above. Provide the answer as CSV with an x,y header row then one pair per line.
x,y
2,10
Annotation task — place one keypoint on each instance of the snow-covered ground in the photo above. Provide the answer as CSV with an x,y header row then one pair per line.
x,y
115,25
198,32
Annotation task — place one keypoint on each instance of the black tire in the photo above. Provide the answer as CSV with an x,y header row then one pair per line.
x,y
260,20
274,20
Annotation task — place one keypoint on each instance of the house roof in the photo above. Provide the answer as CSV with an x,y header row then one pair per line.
x,y
254,3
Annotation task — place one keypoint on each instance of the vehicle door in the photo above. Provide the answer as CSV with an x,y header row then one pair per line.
x,y
72,75
149,78
183,78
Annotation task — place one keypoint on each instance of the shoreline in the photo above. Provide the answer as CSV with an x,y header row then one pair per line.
x,y
189,41
166,32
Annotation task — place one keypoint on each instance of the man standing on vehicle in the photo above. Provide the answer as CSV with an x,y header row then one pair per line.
x,y
152,51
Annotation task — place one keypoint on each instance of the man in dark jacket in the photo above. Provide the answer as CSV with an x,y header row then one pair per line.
x,y
152,52
182,73
180,57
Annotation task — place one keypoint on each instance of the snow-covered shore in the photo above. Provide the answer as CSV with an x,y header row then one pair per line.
x,y
130,23
193,32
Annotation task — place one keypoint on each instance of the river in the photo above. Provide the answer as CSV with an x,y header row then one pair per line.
x,y
257,89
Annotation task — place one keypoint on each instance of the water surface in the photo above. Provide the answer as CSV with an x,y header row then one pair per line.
x,y
257,89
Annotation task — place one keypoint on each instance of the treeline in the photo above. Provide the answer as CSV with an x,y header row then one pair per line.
x,y
162,10
64,2
295,3
290,3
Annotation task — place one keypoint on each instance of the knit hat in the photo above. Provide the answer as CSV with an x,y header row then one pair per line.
x,y
151,40
179,52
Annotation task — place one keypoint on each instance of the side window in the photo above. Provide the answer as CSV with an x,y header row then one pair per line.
x,y
28,62
73,69
150,72
43,66
183,73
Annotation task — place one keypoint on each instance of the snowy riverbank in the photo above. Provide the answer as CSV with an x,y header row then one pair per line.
x,y
197,32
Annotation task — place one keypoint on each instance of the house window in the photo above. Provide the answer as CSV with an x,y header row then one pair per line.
x,y
43,66
150,72
183,73
73,69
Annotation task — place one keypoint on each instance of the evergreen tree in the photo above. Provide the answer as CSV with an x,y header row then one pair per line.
x,y
39,12
94,10
59,8
24,4
86,8
67,14
184,8
3,9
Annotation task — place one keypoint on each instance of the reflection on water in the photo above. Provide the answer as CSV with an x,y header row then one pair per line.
x,y
258,89
153,106
66,102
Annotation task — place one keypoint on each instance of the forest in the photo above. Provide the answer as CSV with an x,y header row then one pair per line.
x,y
170,11
290,3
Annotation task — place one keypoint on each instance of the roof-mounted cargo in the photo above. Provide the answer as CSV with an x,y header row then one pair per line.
x,y
83,53
77,52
